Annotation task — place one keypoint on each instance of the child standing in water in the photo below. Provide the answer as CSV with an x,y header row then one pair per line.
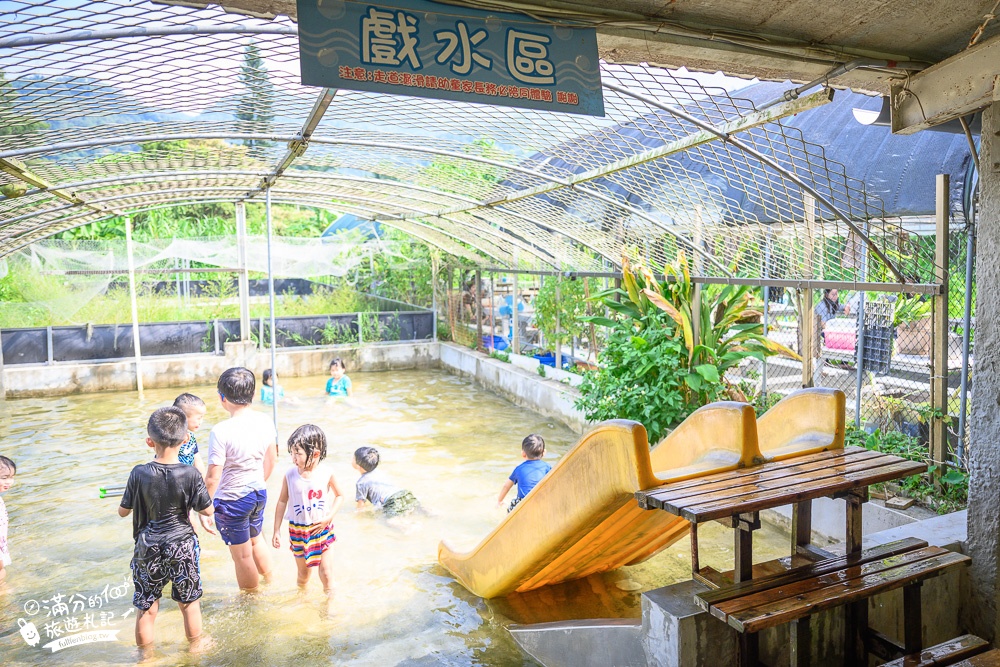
x,y
7,472
309,500
194,409
529,473
338,384
162,493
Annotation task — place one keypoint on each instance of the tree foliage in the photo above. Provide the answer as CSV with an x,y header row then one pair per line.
x,y
255,108
13,122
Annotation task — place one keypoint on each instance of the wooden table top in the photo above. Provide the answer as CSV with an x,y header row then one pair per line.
x,y
726,494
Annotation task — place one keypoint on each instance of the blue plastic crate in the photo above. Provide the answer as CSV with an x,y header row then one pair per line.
x,y
495,342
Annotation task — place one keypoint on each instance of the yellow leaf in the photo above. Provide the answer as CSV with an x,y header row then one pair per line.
x,y
676,315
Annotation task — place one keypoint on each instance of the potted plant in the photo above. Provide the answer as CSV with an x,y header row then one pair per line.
x,y
911,317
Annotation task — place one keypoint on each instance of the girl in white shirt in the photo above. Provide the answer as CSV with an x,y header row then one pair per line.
x,y
309,499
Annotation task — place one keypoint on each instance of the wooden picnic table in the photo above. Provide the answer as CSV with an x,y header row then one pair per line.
x,y
736,498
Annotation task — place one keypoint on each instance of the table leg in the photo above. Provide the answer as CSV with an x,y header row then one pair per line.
x,y
695,564
745,525
748,649
801,524
800,642
855,501
912,619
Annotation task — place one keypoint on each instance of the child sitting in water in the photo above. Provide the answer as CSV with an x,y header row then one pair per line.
x,y
7,472
529,473
268,390
194,409
163,492
338,384
309,499
375,488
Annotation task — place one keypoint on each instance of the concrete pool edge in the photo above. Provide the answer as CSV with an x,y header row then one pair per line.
x,y
520,386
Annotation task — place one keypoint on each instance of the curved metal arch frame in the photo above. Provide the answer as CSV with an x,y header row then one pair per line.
x,y
567,186
7,247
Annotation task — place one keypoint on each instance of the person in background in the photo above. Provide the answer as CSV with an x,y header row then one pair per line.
x,y
194,409
529,473
268,390
242,452
825,310
339,384
163,493
309,500
7,471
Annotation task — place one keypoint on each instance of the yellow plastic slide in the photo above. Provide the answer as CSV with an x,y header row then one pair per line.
x,y
582,518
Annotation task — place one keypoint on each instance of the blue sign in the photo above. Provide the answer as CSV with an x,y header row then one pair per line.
x,y
416,47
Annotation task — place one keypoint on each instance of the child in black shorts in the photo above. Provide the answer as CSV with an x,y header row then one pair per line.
x,y
162,493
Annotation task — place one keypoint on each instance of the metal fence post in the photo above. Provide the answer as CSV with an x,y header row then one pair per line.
x,y
135,308
479,310
860,375
48,346
215,331
939,339
243,278
3,383
970,248
558,338
434,301
270,298
515,336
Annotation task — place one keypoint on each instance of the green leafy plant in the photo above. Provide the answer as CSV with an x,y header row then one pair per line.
x,y
336,334
500,355
570,308
911,309
641,376
541,369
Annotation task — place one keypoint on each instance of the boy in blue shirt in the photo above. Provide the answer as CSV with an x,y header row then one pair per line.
x,y
529,473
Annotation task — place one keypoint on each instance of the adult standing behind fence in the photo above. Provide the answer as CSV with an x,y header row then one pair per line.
x,y
242,452
825,310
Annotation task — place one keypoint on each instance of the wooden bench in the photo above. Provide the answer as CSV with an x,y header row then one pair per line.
x,y
792,597
988,659
951,652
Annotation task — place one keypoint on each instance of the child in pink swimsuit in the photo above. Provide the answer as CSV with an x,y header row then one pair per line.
x,y
309,499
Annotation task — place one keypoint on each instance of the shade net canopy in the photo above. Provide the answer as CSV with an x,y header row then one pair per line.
x,y
111,107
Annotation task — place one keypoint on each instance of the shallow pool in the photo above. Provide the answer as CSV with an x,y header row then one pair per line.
x,y
450,442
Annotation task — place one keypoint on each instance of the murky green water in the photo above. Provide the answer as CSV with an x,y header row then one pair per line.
x,y
448,441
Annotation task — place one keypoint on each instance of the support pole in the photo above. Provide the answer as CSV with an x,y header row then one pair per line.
x,y
807,323
3,382
243,277
557,336
980,607
859,378
479,310
939,341
515,336
963,410
434,297
766,320
698,270
270,298
493,310
135,306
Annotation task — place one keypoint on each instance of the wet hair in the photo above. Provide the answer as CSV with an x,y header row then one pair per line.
x,y
237,385
266,377
533,446
8,464
311,440
168,427
367,458
187,402
338,362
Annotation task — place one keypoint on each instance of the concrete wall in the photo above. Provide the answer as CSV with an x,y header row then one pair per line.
x,y
186,370
521,387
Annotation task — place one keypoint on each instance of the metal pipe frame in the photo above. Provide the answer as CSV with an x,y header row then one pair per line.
x,y
763,159
77,145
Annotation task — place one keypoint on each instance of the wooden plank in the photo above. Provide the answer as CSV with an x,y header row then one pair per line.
x,y
988,659
793,591
944,654
754,502
861,588
705,600
768,471
767,569
779,477
695,496
773,466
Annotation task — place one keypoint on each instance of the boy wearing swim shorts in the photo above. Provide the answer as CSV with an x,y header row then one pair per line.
x,y
242,451
162,494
